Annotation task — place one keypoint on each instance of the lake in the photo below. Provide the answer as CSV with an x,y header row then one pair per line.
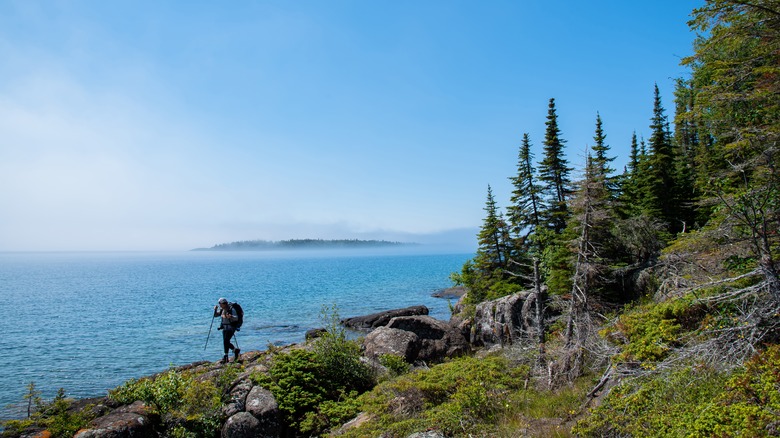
x,y
87,322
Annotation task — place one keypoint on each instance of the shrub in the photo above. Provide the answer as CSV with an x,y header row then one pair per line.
x,y
315,388
465,395
54,416
666,405
749,405
192,405
395,363
652,330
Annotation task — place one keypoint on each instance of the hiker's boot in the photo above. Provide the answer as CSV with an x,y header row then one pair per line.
x,y
224,359
236,353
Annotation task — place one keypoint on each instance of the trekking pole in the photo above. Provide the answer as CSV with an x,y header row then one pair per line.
x,y
207,337
236,339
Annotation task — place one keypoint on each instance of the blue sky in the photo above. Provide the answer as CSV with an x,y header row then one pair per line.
x,y
140,125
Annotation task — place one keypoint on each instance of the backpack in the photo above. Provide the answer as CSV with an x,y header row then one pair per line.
x,y
239,313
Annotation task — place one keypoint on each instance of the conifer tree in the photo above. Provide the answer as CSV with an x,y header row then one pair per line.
x,y
492,238
628,199
523,215
525,208
600,150
656,181
686,142
554,174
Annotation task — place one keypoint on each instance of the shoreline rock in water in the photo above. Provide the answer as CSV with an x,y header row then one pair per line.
x,y
369,322
450,293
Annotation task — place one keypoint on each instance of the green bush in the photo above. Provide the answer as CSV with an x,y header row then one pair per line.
x,y
192,405
54,416
465,395
652,330
750,403
395,363
694,402
315,388
663,406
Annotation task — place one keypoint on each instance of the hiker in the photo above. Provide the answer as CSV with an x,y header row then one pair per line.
x,y
228,327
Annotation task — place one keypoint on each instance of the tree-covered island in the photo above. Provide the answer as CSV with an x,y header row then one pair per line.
x,y
267,245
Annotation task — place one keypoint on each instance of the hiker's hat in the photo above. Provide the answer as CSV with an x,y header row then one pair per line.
x,y
222,300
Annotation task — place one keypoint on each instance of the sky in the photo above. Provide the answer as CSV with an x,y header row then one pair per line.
x,y
148,125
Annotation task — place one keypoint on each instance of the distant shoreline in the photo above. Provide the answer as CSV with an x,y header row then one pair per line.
x,y
265,245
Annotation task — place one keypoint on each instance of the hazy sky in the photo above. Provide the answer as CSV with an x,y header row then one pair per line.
x,y
169,125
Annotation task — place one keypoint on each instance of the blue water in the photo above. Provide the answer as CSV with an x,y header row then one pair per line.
x,y
87,322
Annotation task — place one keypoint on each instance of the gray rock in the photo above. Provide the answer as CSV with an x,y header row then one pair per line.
x,y
130,421
314,333
428,434
499,322
356,422
450,293
438,339
386,340
262,405
242,425
375,320
238,395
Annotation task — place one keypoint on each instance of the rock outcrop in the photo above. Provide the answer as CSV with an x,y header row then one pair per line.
x,y
501,322
262,405
438,339
386,340
126,421
375,320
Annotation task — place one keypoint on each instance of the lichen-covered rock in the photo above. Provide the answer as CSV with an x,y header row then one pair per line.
x,y
262,405
386,340
130,421
438,339
499,322
238,394
242,425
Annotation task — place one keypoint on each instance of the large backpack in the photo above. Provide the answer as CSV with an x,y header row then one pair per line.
x,y
240,313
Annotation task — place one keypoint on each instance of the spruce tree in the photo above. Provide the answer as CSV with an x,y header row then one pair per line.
x,y
525,208
491,253
600,150
628,199
554,174
656,181
686,143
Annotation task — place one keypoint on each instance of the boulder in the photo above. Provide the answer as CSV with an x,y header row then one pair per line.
x,y
314,333
375,320
242,425
386,340
438,339
262,405
130,421
501,321
238,394
354,423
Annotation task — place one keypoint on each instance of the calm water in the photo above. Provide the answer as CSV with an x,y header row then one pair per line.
x,y
87,322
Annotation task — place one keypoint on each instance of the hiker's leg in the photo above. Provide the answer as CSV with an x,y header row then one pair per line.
x,y
226,335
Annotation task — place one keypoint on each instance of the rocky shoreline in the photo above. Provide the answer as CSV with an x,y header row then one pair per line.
x,y
252,410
